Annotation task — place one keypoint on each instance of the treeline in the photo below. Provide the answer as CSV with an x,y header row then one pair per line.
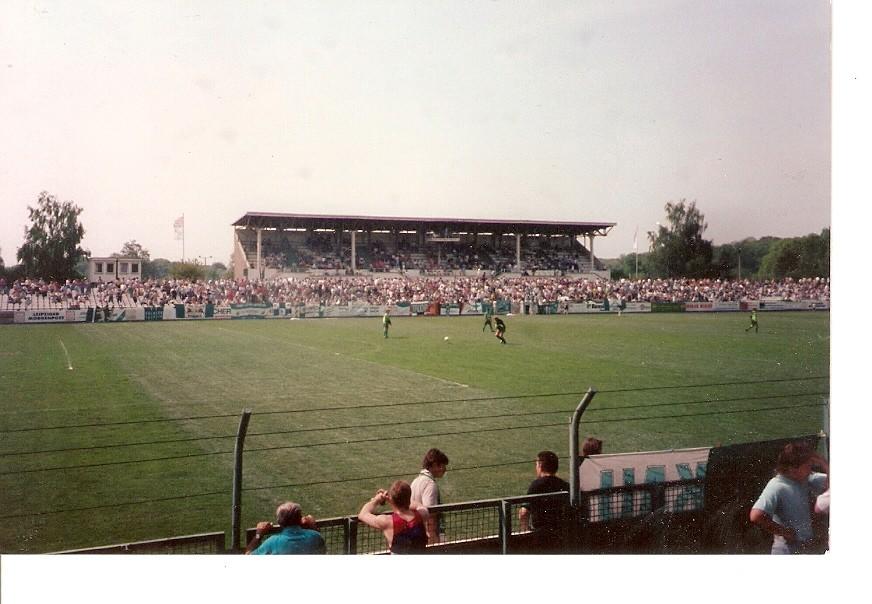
x,y
757,259
678,249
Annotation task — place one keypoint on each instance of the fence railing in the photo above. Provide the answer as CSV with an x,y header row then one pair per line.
x,y
203,543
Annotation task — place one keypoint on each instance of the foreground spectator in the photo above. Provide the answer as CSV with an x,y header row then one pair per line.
x,y
404,529
547,515
425,489
294,534
784,507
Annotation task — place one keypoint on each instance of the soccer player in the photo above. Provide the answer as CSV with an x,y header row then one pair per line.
x,y
489,318
386,321
753,324
501,329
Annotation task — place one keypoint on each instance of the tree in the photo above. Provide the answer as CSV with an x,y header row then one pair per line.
x,y
158,268
798,257
51,243
678,248
132,249
187,270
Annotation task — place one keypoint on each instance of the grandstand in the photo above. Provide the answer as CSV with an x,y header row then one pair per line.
x,y
268,245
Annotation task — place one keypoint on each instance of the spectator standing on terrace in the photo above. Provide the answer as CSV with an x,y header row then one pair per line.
x,y
784,507
386,321
295,534
501,330
591,446
425,489
546,514
405,528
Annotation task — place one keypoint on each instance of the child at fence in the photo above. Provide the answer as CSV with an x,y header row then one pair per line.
x,y
405,528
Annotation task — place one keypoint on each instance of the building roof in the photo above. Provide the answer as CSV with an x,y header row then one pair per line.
x,y
308,221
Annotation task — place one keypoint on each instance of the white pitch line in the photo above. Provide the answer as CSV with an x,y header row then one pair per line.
x,y
67,354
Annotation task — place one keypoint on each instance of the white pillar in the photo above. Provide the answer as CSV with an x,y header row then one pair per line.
x,y
592,265
257,265
353,250
518,250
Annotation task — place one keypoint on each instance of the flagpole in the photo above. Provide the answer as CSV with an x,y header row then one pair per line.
x,y
636,250
183,236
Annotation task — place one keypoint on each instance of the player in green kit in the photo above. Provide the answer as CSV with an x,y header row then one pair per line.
x,y
489,317
386,321
753,324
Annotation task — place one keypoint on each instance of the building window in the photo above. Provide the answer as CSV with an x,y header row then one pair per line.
x,y
98,267
110,267
123,267
134,267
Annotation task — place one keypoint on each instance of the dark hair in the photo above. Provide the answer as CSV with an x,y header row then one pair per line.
x,y
591,446
548,460
289,514
793,455
401,494
433,457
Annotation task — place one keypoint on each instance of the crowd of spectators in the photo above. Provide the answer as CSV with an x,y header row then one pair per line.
x,y
381,290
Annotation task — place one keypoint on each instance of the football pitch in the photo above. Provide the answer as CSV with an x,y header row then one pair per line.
x,y
113,433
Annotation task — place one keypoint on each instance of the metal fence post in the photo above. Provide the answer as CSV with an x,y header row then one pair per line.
x,y
505,526
236,521
351,535
574,484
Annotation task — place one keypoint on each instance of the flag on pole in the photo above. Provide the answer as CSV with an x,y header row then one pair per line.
x,y
179,226
636,239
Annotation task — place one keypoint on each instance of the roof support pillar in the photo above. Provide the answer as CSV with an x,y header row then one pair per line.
x,y
518,250
257,266
353,250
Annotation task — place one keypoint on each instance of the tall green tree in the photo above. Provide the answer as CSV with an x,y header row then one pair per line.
x,y
51,247
132,249
678,248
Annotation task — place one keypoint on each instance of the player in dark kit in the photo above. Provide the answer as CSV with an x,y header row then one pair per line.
x,y
501,329
753,324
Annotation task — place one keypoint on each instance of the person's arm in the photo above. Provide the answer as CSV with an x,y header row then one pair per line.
x,y
523,519
367,513
263,529
765,522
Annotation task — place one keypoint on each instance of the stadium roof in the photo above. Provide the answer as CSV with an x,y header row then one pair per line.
x,y
313,221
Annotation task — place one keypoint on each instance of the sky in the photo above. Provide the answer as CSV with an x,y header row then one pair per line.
x,y
142,112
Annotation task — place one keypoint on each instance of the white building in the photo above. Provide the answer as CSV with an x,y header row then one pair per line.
x,y
112,268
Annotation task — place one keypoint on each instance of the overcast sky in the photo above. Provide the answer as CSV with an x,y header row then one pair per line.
x,y
141,112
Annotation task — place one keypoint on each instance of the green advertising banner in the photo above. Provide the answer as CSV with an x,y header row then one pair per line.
x,y
667,307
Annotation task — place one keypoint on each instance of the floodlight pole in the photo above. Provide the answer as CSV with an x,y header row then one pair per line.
x,y
574,483
236,520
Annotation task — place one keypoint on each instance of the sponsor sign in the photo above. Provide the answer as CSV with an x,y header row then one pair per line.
x,y
45,316
624,469
195,311
221,312
667,307
6,317
711,306
152,313
250,311
418,308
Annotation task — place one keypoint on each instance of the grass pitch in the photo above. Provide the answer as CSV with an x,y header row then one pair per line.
x,y
135,441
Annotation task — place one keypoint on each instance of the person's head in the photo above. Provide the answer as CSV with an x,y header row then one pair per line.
x,y
546,462
289,514
591,446
400,494
795,460
436,462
